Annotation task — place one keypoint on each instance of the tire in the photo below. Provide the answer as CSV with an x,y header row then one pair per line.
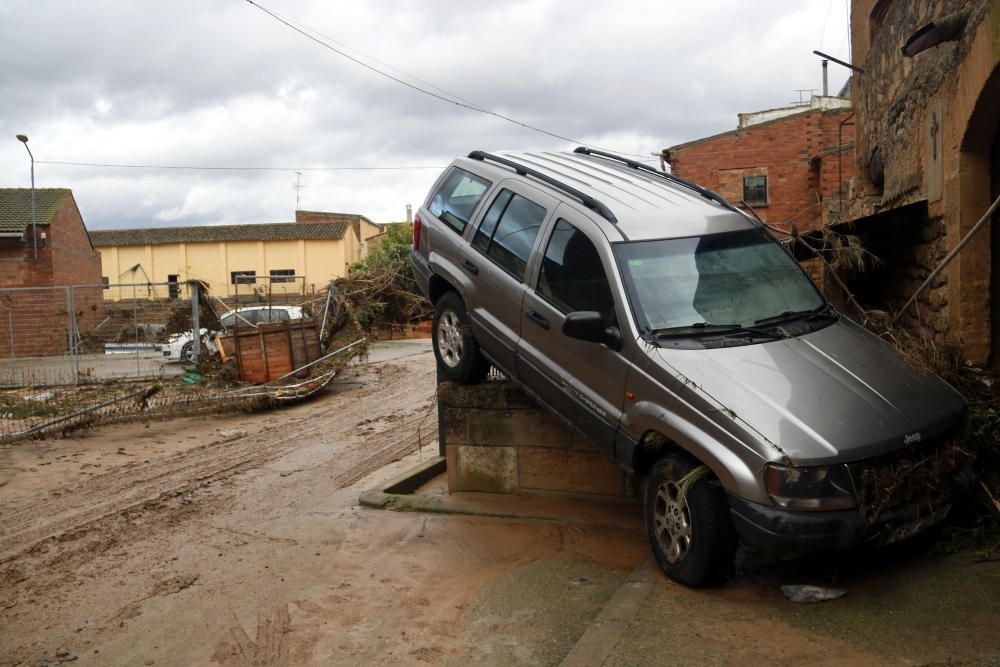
x,y
692,538
187,352
455,348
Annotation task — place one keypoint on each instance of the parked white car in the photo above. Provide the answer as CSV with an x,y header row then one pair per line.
x,y
180,346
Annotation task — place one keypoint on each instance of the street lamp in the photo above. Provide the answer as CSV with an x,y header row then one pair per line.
x,y
23,138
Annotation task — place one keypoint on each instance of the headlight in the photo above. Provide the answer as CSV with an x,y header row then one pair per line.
x,y
810,489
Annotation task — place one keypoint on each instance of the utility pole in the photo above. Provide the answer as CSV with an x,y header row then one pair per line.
x,y
23,138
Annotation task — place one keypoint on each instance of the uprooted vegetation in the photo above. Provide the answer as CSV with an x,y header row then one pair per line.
x,y
379,292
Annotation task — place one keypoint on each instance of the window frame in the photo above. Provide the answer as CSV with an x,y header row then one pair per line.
x,y
767,190
475,209
480,219
235,275
281,275
541,265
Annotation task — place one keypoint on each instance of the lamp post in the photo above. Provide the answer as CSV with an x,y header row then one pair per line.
x,y
23,138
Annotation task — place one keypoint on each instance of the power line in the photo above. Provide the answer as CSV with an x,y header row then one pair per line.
x,y
227,168
449,100
380,62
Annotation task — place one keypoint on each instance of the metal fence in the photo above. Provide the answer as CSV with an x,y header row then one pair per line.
x,y
81,334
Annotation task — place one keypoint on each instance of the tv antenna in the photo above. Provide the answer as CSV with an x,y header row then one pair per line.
x,y
298,189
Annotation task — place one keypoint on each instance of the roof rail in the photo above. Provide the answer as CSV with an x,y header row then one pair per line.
x,y
521,170
704,192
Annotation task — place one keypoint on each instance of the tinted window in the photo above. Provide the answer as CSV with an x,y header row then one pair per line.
x,y
572,276
227,320
457,198
512,234
481,241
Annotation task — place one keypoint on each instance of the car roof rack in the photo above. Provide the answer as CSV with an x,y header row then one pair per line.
x,y
521,170
704,192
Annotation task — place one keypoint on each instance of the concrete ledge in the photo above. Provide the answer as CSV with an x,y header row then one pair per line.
x,y
397,494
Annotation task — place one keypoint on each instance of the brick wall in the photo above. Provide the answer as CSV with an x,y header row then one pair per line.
x,y
35,322
799,154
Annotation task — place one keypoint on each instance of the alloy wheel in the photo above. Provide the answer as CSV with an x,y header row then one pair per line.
x,y
672,522
450,339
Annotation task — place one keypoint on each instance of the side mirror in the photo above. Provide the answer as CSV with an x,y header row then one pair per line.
x,y
589,325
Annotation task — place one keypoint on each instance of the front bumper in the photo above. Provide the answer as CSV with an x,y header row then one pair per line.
x,y
775,534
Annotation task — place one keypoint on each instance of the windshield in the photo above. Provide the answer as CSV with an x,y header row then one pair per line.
x,y
701,284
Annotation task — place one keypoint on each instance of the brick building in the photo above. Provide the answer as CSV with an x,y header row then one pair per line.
x,y
927,161
35,321
787,163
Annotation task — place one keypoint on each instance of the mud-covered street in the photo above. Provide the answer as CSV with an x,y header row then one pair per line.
x,y
239,541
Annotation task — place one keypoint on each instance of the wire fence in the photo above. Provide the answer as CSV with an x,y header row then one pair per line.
x,y
81,334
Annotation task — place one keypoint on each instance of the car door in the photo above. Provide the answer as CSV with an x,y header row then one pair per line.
x,y
496,259
583,381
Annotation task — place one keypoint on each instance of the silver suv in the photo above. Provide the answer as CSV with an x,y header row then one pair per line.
x,y
672,331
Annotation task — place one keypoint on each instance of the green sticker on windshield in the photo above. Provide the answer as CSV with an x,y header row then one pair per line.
x,y
635,262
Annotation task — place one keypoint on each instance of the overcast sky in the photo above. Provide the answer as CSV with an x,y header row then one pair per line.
x,y
221,83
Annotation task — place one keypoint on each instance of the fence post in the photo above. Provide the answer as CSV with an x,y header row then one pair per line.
x,y
196,318
70,321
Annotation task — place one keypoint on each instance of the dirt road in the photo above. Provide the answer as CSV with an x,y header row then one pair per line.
x,y
239,541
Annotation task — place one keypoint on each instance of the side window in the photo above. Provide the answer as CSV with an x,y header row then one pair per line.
x,y
227,321
572,277
481,241
457,198
508,231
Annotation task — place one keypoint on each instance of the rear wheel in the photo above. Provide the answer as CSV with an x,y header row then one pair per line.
x,y
688,524
455,348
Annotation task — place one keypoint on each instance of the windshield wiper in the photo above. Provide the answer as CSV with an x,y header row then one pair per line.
x,y
788,314
726,329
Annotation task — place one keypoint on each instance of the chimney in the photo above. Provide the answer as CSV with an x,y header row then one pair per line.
x,y
409,213
826,88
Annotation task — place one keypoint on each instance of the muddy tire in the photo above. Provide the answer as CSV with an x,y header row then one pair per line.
x,y
187,353
455,348
692,537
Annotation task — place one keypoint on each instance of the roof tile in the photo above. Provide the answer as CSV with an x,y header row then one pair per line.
x,y
273,231
15,207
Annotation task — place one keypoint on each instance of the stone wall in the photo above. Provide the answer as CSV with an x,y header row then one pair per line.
x,y
925,125
498,441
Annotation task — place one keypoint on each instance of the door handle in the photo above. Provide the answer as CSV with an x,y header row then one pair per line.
x,y
538,319
470,267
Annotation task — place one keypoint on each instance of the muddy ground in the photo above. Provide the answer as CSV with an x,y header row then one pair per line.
x,y
239,541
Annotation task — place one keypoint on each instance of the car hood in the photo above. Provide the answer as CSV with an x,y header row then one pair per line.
x,y
839,394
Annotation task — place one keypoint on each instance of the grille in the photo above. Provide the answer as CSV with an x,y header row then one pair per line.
x,y
920,476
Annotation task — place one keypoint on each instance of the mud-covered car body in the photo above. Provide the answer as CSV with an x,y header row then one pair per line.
x,y
646,312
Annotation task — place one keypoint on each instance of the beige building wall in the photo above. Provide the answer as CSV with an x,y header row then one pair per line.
x,y
319,260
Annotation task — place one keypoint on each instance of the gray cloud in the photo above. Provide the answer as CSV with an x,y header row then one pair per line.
x,y
215,83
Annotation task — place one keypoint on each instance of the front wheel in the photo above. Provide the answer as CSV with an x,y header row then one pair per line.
x,y
688,523
455,348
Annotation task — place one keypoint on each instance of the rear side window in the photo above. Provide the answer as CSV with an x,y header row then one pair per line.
x,y
457,198
572,277
508,232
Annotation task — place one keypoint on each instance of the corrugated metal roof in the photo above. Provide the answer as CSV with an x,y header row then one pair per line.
x,y
274,231
15,207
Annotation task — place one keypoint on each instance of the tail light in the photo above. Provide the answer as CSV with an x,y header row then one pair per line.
x,y
416,232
